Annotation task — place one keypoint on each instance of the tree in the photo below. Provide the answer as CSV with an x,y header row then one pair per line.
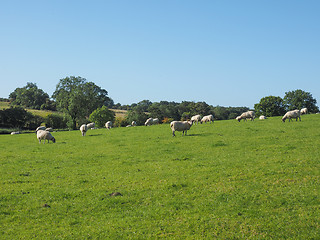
x,y
270,106
136,115
221,113
79,98
29,96
101,115
56,121
300,99
18,117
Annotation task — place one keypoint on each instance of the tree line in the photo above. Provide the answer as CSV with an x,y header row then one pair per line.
x,y
78,101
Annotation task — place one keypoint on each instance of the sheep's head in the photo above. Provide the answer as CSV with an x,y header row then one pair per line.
x,y
53,140
238,118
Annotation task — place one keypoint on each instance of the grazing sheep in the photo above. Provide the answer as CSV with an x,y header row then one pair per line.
x,y
245,115
49,129
14,133
262,117
83,129
40,128
134,123
45,135
208,118
108,124
90,125
151,121
304,111
292,114
196,119
180,126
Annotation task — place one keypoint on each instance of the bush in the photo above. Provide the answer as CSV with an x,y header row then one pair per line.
x,y
101,115
136,115
167,120
185,116
32,121
56,121
120,122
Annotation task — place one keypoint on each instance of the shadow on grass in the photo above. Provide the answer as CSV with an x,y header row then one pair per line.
x,y
199,134
94,135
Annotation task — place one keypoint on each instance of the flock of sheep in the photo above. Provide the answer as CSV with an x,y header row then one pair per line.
x,y
43,133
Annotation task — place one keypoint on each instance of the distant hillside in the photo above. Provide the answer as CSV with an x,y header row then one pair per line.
x,y
44,113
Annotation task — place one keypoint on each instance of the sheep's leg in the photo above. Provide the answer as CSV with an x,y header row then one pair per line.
x,y
173,135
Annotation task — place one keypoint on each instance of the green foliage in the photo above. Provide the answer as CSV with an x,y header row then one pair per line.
x,y
230,180
120,122
18,117
29,96
136,115
270,106
224,113
56,121
300,99
101,115
186,116
49,105
79,98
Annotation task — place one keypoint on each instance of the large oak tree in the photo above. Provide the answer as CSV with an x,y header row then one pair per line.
x,y
79,98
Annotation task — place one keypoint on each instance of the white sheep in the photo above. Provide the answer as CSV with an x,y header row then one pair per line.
x,y
134,123
45,135
40,128
83,129
180,126
208,118
151,121
292,114
90,125
262,117
108,124
14,133
196,119
304,111
245,115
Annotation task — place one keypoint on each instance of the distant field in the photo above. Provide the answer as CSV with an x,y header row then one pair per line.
x,y
4,105
227,180
44,113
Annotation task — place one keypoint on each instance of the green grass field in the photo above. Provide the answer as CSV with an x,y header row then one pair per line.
x,y
227,180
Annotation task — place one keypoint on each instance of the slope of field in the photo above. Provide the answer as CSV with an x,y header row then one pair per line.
x,y
44,113
227,180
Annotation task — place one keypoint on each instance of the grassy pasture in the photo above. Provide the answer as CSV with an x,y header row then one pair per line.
x,y
227,180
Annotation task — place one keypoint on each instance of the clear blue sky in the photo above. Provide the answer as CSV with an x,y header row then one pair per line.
x,y
227,53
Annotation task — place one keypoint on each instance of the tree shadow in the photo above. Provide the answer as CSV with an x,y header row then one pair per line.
x,y
199,134
94,135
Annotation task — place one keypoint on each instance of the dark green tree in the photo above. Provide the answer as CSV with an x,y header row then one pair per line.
x,y
79,98
270,106
29,96
300,99
56,121
136,115
102,115
220,113
18,117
